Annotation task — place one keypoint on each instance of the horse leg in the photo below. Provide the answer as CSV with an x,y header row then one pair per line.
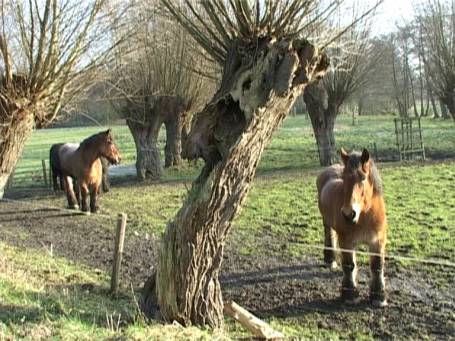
x,y
93,198
77,190
54,179
329,243
84,197
62,183
72,204
349,292
377,285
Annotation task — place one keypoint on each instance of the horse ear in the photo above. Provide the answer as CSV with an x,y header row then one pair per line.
x,y
108,132
344,155
365,156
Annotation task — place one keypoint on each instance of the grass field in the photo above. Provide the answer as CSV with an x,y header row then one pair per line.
x,y
292,148
63,294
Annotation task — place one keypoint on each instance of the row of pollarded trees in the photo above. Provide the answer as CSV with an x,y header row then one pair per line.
x,y
154,81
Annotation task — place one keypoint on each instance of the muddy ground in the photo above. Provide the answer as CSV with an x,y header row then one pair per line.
x,y
421,302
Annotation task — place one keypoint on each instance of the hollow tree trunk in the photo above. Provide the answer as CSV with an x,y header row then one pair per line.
x,y
323,113
145,135
230,134
14,134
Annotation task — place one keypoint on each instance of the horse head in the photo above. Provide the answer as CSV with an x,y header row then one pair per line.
x,y
358,184
108,149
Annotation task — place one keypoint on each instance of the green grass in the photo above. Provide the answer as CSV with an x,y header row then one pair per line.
x,y
44,297
293,147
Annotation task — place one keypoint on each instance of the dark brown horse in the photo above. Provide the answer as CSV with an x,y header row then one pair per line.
x,y
57,174
353,211
54,164
82,162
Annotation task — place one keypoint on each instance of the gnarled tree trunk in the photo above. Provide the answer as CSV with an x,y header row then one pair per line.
x,y
145,135
174,126
14,133
145,128
230,134
323,113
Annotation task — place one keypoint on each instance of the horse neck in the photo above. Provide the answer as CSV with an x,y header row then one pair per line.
x,y
89,154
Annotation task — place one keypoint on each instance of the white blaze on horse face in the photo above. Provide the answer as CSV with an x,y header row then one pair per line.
x,y
356,209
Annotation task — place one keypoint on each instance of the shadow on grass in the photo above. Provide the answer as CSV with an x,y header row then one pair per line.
x,y
50,216
278,274
88,303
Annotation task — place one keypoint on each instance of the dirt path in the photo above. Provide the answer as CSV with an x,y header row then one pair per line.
x,y
421,299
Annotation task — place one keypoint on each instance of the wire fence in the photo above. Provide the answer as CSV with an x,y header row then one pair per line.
x,y
111,219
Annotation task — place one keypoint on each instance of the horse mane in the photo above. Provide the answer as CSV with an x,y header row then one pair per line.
x,y
89,140
354,162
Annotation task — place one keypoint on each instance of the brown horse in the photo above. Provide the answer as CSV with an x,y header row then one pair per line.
x,y
352,205
54,163
82,162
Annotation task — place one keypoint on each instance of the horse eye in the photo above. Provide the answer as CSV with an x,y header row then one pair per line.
x,y
363,177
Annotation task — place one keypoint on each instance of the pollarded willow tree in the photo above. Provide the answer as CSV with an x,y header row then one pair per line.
x,y
352,62
47,52
266,65
153,83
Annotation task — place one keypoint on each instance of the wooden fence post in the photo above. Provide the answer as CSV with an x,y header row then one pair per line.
x,y
118,252
43,162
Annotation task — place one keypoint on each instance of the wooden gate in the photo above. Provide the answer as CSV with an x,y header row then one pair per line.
x,y
409,138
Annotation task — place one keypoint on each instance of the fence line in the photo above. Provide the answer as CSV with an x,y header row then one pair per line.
x,y
430,261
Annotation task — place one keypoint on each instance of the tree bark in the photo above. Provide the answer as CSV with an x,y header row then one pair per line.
x,y
230,134
14,134
449,101
145,135
173,147
444,112
323,112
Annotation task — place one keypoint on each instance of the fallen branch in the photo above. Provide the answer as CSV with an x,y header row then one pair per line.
x,y
258,327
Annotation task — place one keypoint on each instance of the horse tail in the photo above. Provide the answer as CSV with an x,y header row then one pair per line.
x,y
54,164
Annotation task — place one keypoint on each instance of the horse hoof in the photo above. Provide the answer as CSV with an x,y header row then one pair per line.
x,y
333,266
352,301
350,296
86,212
379,303
73,207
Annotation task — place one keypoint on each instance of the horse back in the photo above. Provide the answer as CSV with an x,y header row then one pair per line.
x,y
329,174
66,155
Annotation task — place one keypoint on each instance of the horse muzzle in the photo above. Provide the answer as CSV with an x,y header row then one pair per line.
x,y
115,161
350,218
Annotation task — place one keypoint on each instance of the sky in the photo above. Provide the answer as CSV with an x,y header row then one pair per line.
x,y
390,13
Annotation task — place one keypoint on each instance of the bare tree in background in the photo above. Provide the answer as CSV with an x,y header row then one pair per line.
x,y
266,65
47,49
153,84
438,24
403,73
352,62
